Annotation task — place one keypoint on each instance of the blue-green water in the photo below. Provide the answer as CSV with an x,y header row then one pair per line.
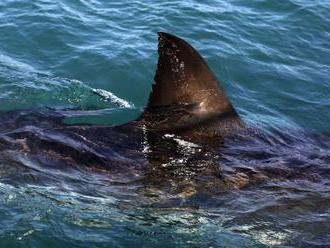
x,y
272,57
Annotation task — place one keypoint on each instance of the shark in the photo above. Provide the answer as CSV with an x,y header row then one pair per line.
x,y
189,134
188,150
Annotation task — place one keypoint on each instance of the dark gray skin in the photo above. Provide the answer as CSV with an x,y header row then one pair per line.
x,y
184,136
186,98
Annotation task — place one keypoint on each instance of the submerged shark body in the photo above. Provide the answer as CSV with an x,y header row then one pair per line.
x,y
189,135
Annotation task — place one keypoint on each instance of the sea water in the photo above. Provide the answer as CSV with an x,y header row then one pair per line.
x,y
271,57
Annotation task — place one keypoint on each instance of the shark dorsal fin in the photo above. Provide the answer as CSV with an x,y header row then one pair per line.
x,y
186,96
184,78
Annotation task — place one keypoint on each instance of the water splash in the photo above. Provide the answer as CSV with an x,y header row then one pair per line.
x,y
109,96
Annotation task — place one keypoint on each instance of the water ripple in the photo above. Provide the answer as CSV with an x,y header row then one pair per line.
x,y
272,58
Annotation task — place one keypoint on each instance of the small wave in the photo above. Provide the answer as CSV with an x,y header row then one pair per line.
x,y
109,96
13,63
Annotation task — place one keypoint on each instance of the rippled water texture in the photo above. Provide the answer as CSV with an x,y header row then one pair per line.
x,y
273,59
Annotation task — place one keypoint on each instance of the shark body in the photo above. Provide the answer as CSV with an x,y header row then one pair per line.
x,y
189,134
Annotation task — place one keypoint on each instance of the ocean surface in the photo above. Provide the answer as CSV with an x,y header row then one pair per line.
x,y
272,58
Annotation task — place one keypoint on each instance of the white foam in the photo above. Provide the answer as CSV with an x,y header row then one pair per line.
x,y
107,95
181,142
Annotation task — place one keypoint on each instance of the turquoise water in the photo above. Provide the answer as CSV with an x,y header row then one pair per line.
x,y
272,57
